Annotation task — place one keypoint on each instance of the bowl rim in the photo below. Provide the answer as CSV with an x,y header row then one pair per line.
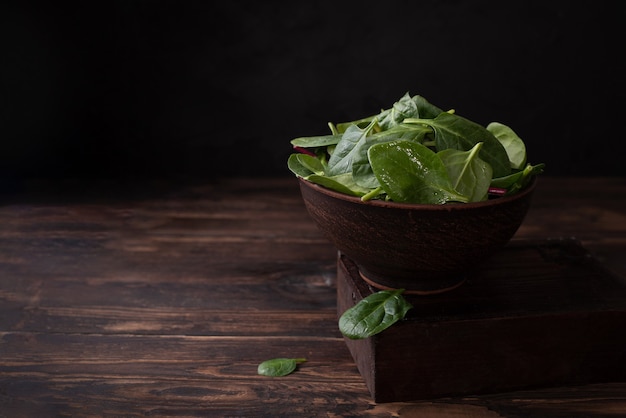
x,y
528,189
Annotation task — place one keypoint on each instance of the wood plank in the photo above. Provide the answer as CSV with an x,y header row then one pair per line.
x,y
126,375
176,321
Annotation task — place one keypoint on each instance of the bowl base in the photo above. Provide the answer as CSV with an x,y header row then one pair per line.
x,y
451,286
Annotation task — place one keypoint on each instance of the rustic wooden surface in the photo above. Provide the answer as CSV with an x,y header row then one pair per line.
x,y
164,304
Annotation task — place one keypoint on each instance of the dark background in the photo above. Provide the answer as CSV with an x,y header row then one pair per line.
x,y
195,90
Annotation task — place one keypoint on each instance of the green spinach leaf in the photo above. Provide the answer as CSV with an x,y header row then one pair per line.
x,y
456,132
340,161
425,109
513,144
374,314
316,141
343,183
312,169
421,108
516,181
402,109
303,165
469,175
412,173
279,366
362,170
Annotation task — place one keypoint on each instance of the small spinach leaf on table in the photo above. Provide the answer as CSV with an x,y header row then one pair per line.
x,y
374,314
279,366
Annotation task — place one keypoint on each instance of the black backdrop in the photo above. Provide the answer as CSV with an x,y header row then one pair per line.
x,y
204,89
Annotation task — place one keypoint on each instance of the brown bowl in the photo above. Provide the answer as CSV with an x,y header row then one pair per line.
x,y
421,248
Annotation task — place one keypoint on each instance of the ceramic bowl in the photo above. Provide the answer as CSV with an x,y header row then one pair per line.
x,y
420,248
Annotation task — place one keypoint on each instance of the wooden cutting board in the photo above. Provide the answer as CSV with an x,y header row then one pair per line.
x,y
540,313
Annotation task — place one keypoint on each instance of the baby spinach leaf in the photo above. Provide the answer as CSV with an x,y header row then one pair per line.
x,y
374,314
311,169
341,160
469,175
425,109
513,144
296,167
412,173
304,165
279,366
361,168
342,127
392,116
316,141
456,132
516,181
343,183
402,109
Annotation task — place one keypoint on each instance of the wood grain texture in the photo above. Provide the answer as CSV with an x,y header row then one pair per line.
x,y
164,304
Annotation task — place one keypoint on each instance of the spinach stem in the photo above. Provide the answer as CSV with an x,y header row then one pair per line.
x,y
472,153
371,194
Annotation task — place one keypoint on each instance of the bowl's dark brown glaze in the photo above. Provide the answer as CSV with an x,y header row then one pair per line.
x,y
420,248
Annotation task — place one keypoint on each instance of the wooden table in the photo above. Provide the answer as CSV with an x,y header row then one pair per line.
x,y
163,304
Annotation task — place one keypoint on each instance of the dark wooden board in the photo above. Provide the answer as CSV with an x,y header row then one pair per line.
x,y
540,313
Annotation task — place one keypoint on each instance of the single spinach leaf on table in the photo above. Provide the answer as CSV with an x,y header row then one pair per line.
x,y
469,175
374,314
412,173
279,366
455,132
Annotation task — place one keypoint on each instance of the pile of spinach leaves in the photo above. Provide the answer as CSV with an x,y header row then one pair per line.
x,y
414,152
